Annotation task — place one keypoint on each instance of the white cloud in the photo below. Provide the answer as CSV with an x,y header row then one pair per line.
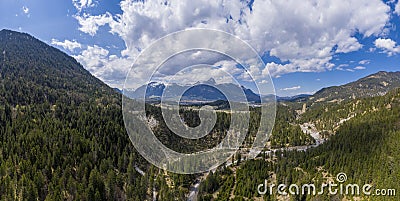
x,y
82,4
90,24
67,44
199,74
387,45
364,62
25,9
291,88
299,65
305,35
359,68
109,68
93,57
397,8
342,67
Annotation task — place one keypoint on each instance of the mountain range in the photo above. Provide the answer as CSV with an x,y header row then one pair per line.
x,y
207,91
377,84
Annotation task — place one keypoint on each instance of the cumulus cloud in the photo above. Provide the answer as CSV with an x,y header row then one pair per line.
x,y
109,68
67,44
82,4
387,45
90,24
200,73
93,57
303,35
299,65
291,88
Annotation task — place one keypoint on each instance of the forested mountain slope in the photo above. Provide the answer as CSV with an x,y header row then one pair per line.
x,y
377,84
62,135
366,148
33,72
61,129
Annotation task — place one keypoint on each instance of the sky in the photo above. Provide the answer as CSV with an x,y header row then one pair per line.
x,y
306,45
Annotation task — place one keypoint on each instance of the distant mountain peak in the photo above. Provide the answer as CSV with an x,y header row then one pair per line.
x,y
210,81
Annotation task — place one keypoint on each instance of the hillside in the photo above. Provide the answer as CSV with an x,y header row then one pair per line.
x,y
40,73
61,130
365,148
362,141
62,133
377,84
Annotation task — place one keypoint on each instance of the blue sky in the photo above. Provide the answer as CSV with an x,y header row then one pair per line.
x,y
307,45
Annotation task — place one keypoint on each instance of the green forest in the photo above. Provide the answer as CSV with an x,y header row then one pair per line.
x,y
63,137
365,147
